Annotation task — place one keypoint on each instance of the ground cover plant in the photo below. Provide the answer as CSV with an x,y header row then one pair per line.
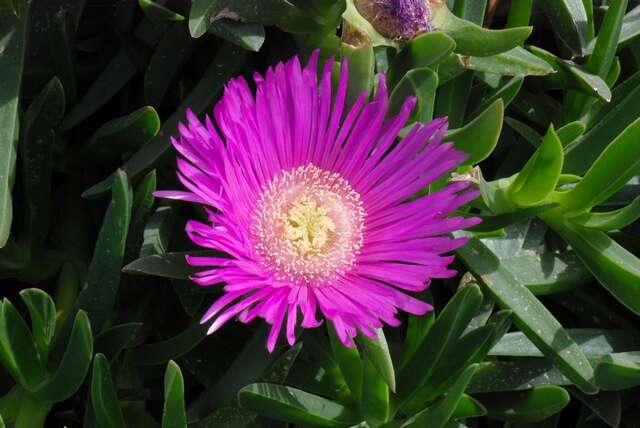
x,y
121,248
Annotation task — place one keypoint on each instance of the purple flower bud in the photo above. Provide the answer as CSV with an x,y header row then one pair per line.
x,y
397,19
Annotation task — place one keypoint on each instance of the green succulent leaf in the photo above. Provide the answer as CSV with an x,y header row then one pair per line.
x,y
226,63
247,35
421,83
529,314
377,351
293,405
517,62
173,413
104,398
426,50
42,311
614,267
349,361
570,22
534,405
611,220
74,366
13,35
375,393
444,333
471,39
439,413
539,177
594,343
619,371
361,67
103,277
115,339
479,137
121,135
18,350
158,12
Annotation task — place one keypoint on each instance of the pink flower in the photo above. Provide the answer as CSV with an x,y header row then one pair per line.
x,y
315,204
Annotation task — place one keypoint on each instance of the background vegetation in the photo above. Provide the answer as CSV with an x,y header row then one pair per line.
x,y
540,329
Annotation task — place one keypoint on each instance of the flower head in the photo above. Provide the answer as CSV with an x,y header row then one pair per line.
x,y
314,203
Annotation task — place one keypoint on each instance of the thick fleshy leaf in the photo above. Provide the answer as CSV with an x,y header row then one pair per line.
x,y
617,269
446,330
529,314
533,405
425,50
619,371
571,75
170,265
174,49
439,413
173,413
104,398
285,15
374,402
570,22
177,346
377,351
570,132
539,176
247,35
468,407
517,62
471,39
594,343
361,67
13,34
605,404
114,77
611,220
515,375
227,62
42,311
124,134
75,363
610,171
420,83
479,137
293,405
250,365
471,348
605,47
157,232
103,277
349,361
115,339
36,153
629,32
17,349
506,92
156,11
605,124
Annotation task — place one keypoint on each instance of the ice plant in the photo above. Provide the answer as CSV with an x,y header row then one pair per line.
x,y
314,203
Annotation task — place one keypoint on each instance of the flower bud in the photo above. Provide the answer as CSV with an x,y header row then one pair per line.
x,y
396,19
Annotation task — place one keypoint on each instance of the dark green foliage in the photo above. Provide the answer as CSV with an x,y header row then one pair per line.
x,y
99,323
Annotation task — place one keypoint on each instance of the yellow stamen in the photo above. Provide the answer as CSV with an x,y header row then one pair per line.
x,y
308,226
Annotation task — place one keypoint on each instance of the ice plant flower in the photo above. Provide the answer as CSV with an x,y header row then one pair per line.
x,y
314,203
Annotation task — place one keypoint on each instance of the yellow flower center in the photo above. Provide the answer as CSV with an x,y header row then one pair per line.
x,y
308,226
